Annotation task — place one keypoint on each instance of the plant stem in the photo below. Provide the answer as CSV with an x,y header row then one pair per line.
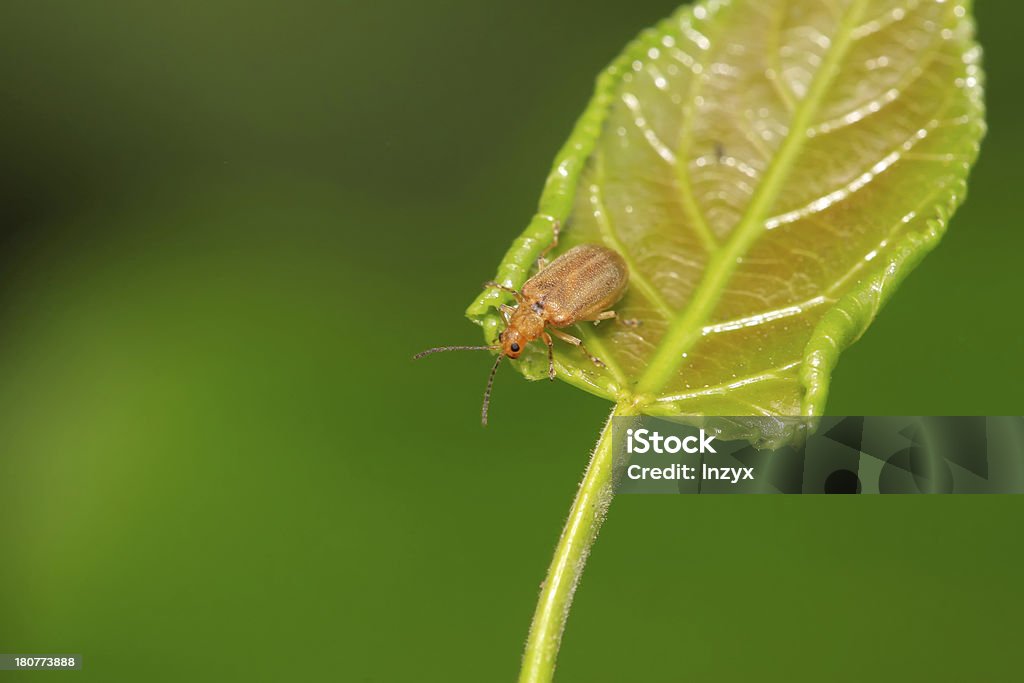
x,y
585,518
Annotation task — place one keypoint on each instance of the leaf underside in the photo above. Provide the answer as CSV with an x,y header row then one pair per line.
x,y
770,170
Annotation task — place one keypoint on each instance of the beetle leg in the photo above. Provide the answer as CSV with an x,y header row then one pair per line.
x,y
542,261
602,316
506,311
578,343
551,354
608,315
513,292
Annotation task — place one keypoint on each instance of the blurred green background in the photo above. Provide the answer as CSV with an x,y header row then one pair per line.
x,y
226,227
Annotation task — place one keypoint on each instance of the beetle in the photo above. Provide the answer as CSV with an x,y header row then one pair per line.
x,y
581,285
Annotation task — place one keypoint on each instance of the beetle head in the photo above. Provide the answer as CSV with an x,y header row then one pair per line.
x,y
523,327
512,342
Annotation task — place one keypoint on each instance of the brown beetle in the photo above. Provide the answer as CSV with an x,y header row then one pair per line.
x,y
581,285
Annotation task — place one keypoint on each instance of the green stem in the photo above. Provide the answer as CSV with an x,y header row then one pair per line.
x,y
585,518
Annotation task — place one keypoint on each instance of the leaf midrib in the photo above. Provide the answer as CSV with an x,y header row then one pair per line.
x,y
686,329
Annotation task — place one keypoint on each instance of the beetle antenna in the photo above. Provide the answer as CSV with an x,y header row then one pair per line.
x,y
487,391
454,348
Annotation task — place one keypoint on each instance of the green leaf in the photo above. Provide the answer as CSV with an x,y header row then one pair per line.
x,y
771,171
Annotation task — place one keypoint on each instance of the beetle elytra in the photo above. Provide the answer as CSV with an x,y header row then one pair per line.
x,y
581,285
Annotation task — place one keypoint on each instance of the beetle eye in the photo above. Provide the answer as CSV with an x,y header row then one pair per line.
x,y
514,348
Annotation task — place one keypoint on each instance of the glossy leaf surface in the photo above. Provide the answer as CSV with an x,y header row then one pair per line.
x,y
770,170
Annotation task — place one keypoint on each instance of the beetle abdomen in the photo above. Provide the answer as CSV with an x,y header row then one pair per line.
x,y
578,285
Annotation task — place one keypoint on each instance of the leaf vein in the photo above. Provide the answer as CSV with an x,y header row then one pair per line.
x,y
774,72
636,276
774,373
880,102
682,174
686,329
